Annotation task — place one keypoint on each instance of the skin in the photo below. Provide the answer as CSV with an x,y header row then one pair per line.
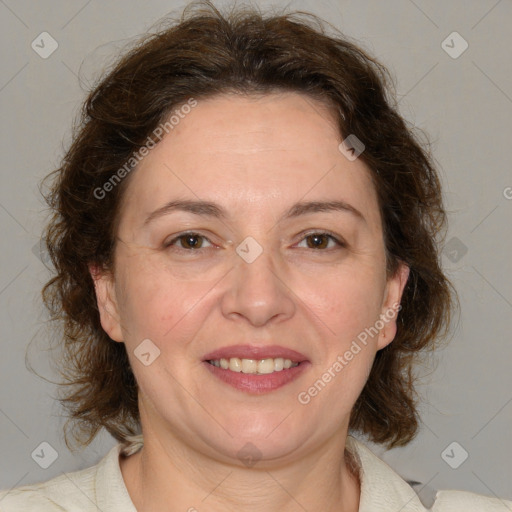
x,y
255,156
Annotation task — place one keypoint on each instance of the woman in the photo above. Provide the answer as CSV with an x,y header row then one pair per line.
x,y
245,243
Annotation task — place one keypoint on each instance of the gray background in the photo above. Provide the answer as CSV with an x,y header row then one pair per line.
x,y
464,104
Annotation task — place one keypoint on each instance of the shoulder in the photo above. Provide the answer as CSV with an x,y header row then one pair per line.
x,y
91,489
383,489
59,493
461,501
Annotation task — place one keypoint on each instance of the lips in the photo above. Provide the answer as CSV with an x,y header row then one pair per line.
x,y
256,383
254,352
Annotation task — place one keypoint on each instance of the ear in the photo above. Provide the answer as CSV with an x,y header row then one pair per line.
x,y
391,305
107,302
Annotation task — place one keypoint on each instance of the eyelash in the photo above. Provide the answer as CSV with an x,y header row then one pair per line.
x,y
328,234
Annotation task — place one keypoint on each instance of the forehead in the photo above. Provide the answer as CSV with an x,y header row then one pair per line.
x,y
267,151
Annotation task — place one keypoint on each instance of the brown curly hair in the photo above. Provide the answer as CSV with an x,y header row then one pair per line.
x,y
203,54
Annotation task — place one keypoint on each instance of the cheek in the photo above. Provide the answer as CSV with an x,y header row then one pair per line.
x,y
347,301
156,304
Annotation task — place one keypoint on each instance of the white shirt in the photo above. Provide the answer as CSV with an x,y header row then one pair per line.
x,y
101,488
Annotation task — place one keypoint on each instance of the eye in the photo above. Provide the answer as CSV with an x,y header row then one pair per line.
x,y
321,240
188,241
315,240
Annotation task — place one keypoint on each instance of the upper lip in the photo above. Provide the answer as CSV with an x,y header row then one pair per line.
x,y
255,352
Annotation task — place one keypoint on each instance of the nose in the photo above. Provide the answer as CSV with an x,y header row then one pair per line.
x,y
257,291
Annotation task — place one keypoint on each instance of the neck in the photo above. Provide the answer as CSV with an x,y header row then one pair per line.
x,y
171,476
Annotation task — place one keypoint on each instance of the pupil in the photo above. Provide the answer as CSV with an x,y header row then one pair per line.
x,y
192,240
317,240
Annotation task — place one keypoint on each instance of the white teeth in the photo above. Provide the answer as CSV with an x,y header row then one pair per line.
x,y
261,366
235,364
266,366
278,364
249,366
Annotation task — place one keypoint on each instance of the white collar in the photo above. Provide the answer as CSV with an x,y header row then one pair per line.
x,y
381,488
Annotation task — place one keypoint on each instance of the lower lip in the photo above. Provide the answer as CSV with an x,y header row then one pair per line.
x,y
258,383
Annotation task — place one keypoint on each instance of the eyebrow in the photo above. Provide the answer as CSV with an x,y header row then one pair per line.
x,y
209,209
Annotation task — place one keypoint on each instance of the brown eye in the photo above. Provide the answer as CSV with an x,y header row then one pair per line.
x,y
321,241
187,241
191,241
317,241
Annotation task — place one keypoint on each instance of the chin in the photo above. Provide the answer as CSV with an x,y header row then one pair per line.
x,y
265,437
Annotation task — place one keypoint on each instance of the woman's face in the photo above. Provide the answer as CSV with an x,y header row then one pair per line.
x,y
261,266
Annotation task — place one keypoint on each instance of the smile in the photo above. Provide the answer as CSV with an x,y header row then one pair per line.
x,y
254,366
255,369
